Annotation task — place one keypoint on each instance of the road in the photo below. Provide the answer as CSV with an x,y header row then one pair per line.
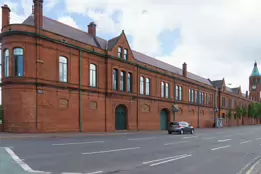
x,y
215,151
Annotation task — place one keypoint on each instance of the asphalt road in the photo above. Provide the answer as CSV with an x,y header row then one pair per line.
x,y
208,151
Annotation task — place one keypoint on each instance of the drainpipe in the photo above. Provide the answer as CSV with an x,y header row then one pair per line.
x,y
198,108
80,93
137,95
174,116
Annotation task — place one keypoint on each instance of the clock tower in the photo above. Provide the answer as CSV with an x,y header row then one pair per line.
x,y
254,84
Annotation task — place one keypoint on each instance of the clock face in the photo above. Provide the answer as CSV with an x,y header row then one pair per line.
x,y
254,87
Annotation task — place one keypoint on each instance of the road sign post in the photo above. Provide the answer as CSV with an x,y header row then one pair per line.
x,y
175,109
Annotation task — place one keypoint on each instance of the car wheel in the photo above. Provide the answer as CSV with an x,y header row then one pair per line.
x,y
169,132
192,131
181,131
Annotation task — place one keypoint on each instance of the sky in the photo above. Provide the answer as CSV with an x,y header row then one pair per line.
x,y
216,38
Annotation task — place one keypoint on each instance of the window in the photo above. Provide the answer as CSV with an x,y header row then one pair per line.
x,y
141,85
178,93
235,103
210,99
19,61
203,98
7,63
129,82
206,96
230,103
191,95
147,86
63,67
115,79
167,90
162,89
119,52
223,102
93,75
123,81
196,96
125,54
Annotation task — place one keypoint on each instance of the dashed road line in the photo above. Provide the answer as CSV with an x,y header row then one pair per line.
x,y
108,151
228,136
162,159
78,143
258,139
190,137
222,147
137,139
166,144
209,138
167,161
244,142
221,141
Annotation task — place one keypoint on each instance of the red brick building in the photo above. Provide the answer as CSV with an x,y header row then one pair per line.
x,y
58,78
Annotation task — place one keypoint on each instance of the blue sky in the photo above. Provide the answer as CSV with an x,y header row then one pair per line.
x,y
217,39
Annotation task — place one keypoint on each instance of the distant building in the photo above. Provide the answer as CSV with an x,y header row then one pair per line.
x,y
57,78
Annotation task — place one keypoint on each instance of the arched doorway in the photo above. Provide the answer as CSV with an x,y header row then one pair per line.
x,y
121,117
164,119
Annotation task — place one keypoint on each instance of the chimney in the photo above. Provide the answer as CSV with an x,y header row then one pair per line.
x,y
184,70
246,94
38,13
5,15
92,29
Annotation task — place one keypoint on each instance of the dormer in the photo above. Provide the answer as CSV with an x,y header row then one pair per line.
x,y
119,47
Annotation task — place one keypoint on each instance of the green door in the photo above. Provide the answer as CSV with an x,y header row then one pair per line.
x,y
121,118
164,120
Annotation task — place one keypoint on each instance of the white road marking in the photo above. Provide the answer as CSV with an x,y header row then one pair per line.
x,y
209,138
82,173
173,159
220,141
76,143
189,137
222,147
175,143
258,139
228,136
147,138
115,150
245,142
21,163
247,166
147,162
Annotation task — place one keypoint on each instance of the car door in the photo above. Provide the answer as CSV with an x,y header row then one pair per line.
x,y
187,128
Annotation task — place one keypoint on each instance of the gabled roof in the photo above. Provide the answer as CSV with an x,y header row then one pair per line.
x,y
81,36
112,42
217,83
68,31
162,65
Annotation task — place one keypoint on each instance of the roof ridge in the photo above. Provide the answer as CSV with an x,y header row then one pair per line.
x,y
72,27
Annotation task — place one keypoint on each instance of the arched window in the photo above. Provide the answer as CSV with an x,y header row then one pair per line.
x,y
123,81
93,75
19,61
129,82
63,69
162,89
147,86
7,63
115,79
142,85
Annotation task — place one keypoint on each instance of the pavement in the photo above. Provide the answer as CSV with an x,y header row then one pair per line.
x,y
234,150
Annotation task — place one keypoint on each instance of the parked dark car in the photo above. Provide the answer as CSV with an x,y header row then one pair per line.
x,y
180,127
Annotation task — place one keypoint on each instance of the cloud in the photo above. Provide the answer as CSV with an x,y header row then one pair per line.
x,y
217,38
68,20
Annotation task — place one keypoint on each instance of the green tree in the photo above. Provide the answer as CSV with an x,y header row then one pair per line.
x,y
239,112
229,114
